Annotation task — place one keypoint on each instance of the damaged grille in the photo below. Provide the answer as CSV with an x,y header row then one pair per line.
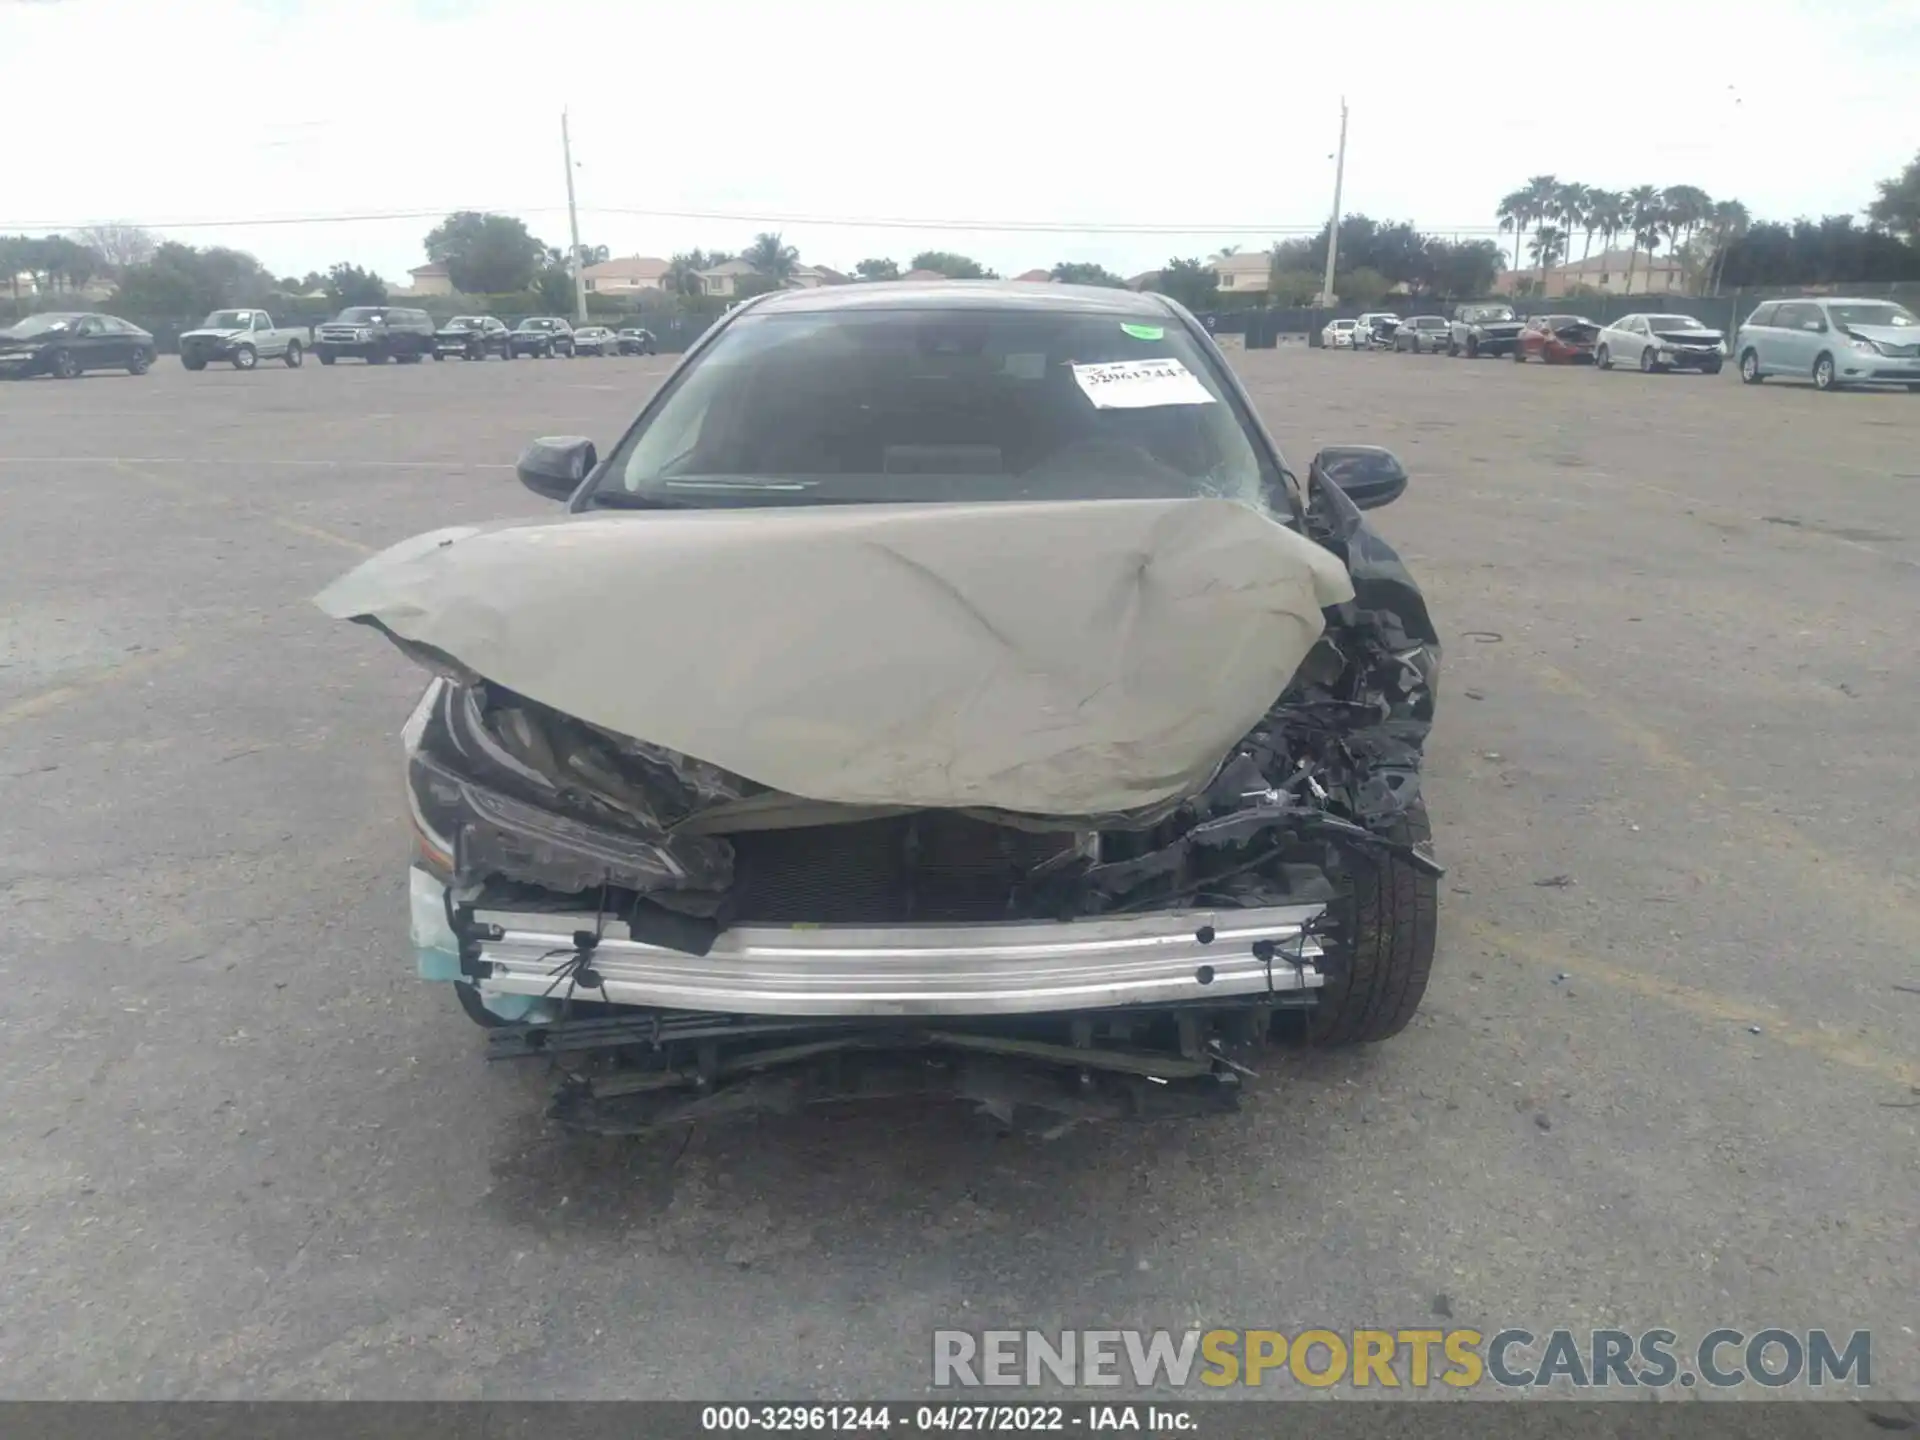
x,y
929,866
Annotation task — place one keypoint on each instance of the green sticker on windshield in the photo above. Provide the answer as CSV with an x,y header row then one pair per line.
x,y
1145,332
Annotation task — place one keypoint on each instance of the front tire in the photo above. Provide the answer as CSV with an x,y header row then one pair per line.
x,y
1380,955
1823,374
141,363
1649,362
63,366
1750,367
295,354
245,357
1603,358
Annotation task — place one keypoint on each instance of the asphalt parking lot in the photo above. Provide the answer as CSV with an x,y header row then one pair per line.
x,y
1666,1074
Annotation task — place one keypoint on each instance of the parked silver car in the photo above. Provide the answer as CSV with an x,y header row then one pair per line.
x,y
1660,342
1831,342
1430,333
595,340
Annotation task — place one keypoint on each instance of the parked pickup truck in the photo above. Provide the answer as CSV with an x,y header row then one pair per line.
x,y
1488,328
242,338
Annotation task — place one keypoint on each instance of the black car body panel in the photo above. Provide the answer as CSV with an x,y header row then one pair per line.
x,y
66,344
542,335
474,337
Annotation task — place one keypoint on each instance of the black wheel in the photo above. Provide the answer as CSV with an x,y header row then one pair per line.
x,y
1380,953
63,366
1823,377
1750,367
141,363
245,357
1649,362
326,356
295,354
193,364
1603,358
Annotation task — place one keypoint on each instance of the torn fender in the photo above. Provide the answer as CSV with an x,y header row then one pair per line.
x,y
1052,658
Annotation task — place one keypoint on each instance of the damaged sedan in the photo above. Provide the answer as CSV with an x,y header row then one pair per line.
x,y
938,689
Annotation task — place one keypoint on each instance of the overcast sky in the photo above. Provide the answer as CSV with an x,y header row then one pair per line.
x,y
1213,114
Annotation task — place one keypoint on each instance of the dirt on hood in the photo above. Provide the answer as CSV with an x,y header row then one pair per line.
x,y
1050,658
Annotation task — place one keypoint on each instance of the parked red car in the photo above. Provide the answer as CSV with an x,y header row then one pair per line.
x,y
1558,340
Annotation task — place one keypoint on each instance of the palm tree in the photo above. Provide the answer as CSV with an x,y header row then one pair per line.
x,y
1642,214
683,273
1543,204
1689,207
1607,212
1512,215
1569,206
771,256
1548,247
1576,213
1727,223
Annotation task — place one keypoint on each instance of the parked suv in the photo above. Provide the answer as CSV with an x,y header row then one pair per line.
x,y
1831,342
473,337
376,334
1483,328
544,336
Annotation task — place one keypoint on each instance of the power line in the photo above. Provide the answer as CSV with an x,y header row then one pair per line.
x,y
867,222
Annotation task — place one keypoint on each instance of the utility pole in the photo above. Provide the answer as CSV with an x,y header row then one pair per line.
x,y
573,224
1333,230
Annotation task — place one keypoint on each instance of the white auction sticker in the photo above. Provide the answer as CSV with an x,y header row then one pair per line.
x,y
1137,384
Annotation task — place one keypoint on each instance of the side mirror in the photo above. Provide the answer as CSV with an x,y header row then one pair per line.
x,y
1368,475
555,465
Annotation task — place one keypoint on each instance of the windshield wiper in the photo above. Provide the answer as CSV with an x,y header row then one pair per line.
x,y
630,500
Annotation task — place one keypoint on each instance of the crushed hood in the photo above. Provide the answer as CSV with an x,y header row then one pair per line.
x,y
1052,658
1892,335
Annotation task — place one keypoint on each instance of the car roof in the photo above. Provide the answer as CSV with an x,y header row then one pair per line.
x,y
1008,295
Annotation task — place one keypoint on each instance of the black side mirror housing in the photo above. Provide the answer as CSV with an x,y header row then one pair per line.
x,y
555,465
1368,475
